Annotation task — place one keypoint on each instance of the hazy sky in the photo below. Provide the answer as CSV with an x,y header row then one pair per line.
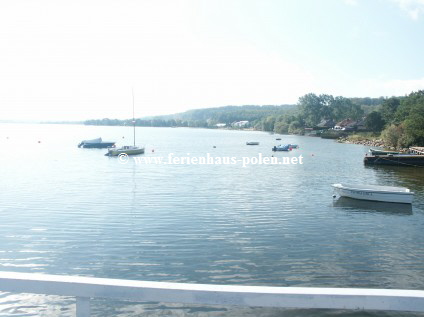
x,y
75,60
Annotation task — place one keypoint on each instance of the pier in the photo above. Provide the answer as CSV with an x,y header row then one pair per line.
x,y
415,158
86,288
395,160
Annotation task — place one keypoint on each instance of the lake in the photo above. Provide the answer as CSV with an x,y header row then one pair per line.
x,y
72,211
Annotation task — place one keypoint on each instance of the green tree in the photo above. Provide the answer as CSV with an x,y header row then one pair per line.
x,y
281,127
374,121
394,135
389,108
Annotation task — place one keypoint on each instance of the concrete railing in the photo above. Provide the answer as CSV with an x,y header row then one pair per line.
x,y
84,288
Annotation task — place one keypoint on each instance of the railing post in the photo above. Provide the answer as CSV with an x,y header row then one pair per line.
x,y
83,307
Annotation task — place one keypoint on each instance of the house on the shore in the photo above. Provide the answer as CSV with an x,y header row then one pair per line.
x,y
347,125
325,124
240,124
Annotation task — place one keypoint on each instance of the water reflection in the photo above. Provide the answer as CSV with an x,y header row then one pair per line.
x,y
373,206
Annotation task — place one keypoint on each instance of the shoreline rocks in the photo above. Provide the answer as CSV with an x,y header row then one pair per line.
x,y
370,143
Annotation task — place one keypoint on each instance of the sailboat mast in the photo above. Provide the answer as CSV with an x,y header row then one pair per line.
x,y
133,115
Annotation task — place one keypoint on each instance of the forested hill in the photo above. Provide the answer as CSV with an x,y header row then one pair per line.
x,y
207,117
259,117
229,114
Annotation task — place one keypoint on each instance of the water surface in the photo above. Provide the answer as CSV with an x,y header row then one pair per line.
x,y
72,211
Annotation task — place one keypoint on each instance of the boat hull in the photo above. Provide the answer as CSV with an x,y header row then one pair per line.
x,y
102,145
403,197
116,152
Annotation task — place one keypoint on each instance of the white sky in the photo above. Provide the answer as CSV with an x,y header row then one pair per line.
x,y
76,60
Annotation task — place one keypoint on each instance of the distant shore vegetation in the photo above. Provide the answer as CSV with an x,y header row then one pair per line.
x,y
399,121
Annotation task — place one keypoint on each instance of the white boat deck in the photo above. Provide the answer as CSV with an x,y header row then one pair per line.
x,y
86,288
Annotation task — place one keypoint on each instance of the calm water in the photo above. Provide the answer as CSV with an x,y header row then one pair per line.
x,y
65,210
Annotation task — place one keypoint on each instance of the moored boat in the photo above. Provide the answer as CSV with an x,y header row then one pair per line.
x,y
381,152
96,144
285,147
252,143
127,149
375,192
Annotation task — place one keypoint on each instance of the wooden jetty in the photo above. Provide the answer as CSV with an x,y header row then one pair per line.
x,y
413,159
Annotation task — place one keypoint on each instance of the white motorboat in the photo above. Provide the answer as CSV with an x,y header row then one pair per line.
x,y
375,192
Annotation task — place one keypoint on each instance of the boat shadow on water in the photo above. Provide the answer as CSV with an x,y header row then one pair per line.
x,y
356,205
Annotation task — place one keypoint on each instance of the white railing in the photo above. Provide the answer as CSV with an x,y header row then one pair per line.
x,y
84,288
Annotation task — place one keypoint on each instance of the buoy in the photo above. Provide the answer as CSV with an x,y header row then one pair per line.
x,y
153,150
334,196
39,141
214,147
312,154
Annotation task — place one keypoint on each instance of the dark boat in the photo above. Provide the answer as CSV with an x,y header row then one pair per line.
x,y
406,160
285,147
96,144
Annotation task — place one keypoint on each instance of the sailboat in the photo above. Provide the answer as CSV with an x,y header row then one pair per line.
x,y
126,149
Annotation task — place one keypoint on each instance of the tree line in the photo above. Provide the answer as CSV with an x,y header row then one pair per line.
x,y
400,120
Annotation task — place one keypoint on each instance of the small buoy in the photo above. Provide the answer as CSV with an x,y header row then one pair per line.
x,y
123,137
214,147
153,150
334,196
39,141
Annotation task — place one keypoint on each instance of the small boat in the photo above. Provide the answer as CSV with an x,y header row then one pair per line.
x,y
279,139
381,152
252,143
126,149
96,144
294,146
389,194
285,147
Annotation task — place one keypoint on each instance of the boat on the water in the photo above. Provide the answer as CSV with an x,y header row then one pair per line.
x,y
381,152
285,147
405,160
96,144
375,192
294,146
126,149
252,143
